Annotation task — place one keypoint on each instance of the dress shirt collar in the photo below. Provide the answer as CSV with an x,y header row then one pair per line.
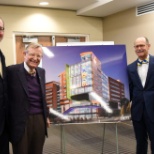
x,y
26,67
33,73
146,59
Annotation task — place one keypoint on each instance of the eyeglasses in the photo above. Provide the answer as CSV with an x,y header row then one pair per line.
x,y
2,29
35,55
140,45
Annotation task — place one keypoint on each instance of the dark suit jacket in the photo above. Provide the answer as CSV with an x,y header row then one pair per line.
x,y
142,97
3,95
18,99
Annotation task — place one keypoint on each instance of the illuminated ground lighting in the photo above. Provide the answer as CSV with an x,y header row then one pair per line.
x,y
61,116
101,101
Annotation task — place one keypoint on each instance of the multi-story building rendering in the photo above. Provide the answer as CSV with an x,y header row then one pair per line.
x,y
65,102
53,95
86,76
83,88
116,90
105,87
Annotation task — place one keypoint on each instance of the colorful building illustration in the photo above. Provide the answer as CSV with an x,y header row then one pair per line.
x,y
64,101
85,76
77,83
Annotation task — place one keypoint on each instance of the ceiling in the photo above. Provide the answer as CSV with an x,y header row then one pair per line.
x,y
96,8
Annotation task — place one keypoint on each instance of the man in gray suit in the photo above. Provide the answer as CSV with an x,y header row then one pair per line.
x,y
4,142
141,82
28,116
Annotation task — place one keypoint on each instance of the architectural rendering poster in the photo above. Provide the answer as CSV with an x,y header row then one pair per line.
x,y
87,83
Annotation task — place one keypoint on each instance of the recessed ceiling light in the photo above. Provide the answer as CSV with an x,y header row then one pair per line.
x,y
43,3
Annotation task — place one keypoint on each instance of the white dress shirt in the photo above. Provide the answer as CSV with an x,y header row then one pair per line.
x,y
31,72
142,71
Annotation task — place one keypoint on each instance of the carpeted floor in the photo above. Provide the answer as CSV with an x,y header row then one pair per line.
x,y
90,139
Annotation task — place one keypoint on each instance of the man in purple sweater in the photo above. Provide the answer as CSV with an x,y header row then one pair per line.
x,y
28,116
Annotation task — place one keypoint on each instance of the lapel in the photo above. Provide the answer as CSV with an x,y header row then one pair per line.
x,y
40,77
22,77
135,75
150,70
3,64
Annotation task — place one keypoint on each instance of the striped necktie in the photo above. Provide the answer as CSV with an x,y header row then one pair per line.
x,y
140,62
32,72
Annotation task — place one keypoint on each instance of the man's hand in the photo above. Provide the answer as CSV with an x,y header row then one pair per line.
x,y
48,122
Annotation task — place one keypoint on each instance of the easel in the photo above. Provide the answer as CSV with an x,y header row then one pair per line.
x,y
116,135
62,128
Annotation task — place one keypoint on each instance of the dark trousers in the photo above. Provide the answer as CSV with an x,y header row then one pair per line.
x,y
4,143
33,138
144,129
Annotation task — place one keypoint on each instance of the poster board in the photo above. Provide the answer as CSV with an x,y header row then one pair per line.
x,y
88,83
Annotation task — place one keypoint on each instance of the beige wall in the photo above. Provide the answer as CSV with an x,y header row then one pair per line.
x,y
125,27
22,19
121,27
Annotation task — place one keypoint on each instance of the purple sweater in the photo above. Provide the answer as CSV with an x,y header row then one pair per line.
x,y
34,90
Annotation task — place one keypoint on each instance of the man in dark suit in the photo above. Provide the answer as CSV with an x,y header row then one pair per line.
x,y
28,117
141,82
4,142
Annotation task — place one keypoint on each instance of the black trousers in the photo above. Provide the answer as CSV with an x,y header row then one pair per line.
x,y
144,129
33,139
4,143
